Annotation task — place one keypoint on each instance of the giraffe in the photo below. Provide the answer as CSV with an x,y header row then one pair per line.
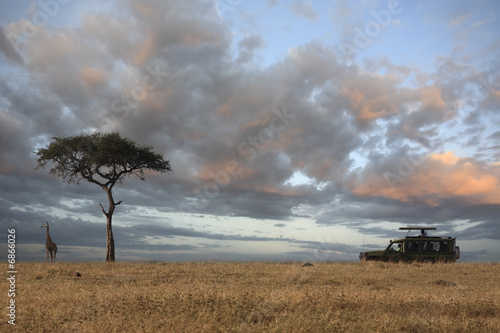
x,y
50,246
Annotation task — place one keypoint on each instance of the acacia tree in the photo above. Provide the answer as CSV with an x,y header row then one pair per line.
x,y
102,159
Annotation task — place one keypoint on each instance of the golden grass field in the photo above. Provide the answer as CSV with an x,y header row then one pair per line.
x,y
255,297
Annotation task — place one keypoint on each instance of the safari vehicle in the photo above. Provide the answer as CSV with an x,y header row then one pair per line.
x,y
417,248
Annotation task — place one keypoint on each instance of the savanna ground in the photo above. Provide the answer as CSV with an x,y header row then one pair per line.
x,y
255,297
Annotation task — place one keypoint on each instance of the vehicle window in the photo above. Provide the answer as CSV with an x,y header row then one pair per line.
x,y
436,246
412,246
430,246
443,247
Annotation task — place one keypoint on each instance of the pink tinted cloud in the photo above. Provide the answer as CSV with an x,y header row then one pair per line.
x,y
439,177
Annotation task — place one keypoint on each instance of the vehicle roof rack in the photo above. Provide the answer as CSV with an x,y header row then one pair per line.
x,y
416,228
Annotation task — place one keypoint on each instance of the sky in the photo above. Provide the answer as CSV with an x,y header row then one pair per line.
x,y
297,130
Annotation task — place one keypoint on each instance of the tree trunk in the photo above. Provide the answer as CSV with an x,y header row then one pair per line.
x,y
110,241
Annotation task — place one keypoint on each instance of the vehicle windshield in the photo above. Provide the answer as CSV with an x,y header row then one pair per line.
x,y
394,247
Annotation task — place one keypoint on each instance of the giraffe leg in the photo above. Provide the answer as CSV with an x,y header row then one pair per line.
x,y
47,255
55,251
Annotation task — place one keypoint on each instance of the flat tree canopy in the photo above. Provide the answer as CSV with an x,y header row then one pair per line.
x,y
102,159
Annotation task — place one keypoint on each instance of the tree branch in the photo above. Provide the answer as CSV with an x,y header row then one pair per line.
x,y
91,179
100,173
119,202
103,210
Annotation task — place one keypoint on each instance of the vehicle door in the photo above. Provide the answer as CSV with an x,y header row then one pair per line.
x,y
394,252
411,249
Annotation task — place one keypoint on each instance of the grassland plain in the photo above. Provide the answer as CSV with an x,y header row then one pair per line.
x,y
255,297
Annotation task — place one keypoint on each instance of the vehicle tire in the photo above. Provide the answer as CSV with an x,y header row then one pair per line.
x,y
457,252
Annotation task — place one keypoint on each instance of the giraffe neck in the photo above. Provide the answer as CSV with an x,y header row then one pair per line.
x,y
48,236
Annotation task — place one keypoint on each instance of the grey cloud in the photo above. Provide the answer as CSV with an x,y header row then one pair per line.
x,y
247,47
272,3
495,136
304,8
8,50
204,107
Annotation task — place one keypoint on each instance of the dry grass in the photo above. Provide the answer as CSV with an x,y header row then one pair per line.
x,y
255,297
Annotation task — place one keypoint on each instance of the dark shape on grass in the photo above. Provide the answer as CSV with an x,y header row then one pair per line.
x,y
103,159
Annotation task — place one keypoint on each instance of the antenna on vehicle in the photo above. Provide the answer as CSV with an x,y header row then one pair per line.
x,y
363,242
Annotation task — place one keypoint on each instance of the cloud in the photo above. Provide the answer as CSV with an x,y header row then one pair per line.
x,y
272,3
377,141
247,48
304,8
370,97
459,19
495,136
8,50
432,181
